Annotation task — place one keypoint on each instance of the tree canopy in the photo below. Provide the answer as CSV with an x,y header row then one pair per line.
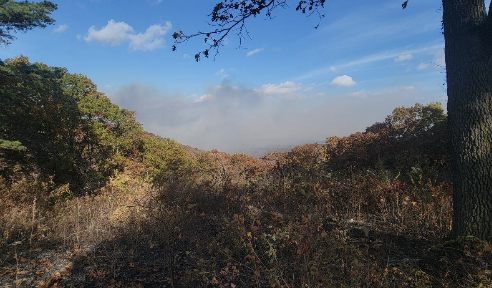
x,y
60,124
23,16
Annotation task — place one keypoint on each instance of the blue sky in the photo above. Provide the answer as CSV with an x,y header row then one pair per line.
x,y
288,84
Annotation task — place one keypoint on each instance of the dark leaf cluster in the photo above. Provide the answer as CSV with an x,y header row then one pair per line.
x,y
59,125
23,16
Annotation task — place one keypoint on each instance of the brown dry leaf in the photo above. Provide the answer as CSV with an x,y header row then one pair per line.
x,y
23,260
8,271
487,248
215,281
66,270
39,272
77,248
44,262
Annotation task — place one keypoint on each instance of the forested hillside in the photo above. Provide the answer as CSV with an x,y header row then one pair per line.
x,y
89,199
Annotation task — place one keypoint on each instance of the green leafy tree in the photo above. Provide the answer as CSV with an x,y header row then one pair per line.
x,y
23,16
410,139
35,111
165,159
467,28
63,125
11,145
114,128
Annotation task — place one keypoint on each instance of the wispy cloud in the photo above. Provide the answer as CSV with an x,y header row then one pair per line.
x,y
282,88
117,33
222,73
361,94
404,57
422,66
372,58
61,28
253,52
205,98
390,54
373,23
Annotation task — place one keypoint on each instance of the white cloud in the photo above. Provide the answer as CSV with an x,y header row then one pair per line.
x,y
222,73
61,28
333,68
186,56
343,81
404,57
422,66
117,33
205,98
237,118
253,52
282,88
320,94
112,34
151,39
410,87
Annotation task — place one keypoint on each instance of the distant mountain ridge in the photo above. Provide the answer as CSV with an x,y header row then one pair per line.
x,y
258,152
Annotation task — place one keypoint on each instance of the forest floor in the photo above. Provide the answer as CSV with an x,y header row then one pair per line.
x,y
130,262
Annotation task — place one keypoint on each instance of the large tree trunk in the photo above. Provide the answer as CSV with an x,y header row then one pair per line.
x,y
468,52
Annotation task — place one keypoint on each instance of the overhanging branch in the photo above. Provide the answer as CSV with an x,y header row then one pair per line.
x,y
231,15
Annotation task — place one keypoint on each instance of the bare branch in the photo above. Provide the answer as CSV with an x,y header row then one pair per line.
x,y
231,15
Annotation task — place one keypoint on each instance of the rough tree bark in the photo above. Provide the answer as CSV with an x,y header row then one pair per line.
x,y
468,52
